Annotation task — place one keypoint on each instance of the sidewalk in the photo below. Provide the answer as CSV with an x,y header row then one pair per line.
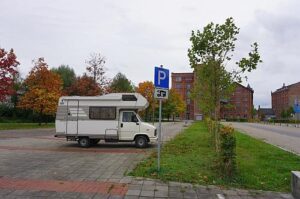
x,y
148,188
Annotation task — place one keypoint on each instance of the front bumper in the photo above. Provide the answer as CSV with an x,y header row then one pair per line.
x,y
153,140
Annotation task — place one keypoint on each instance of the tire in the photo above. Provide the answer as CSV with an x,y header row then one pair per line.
x,y
84,142
94,141
141,142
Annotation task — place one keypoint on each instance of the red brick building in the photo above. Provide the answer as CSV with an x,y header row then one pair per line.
x,y
183,83
284,98
240,104
241,100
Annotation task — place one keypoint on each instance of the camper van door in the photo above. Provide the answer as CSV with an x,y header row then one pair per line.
x,y
72,118
129,125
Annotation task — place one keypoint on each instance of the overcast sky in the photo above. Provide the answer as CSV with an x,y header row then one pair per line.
x,y
136,35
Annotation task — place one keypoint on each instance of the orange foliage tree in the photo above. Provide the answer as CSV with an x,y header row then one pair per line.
x,y
84,86
147,90
8,65
43,89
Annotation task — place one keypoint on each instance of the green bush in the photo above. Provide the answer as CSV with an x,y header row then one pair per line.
x,y
227,151
13,114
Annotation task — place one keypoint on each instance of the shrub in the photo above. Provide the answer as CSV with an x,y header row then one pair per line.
x,y
227,151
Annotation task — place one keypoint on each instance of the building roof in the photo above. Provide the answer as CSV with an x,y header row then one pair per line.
x,y
284,87
246,87
266,111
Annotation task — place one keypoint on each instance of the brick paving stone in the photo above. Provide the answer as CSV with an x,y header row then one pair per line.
x,y
207,196
148,187
175,194
131,197
86,195
162,188
147,193
286,196
135,186
174,188
126,180
116,197
101,196
149,182
190,194
138,182
161,194
4,192
233,197
133,192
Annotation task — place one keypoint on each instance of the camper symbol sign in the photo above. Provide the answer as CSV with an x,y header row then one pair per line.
x,y
161,93
161,82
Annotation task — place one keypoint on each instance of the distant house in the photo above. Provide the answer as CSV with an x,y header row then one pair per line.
x,y
265,113
284,98
241,103
241,100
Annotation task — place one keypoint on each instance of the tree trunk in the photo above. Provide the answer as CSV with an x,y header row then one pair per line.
x,y
217,128
40,117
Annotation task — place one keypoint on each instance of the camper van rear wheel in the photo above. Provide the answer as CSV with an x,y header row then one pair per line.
x,y
84,142
141,141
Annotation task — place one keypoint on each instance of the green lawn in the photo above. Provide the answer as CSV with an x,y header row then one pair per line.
x,y
8,126
190,157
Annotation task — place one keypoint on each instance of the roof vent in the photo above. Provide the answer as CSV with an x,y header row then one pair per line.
x,y
129,98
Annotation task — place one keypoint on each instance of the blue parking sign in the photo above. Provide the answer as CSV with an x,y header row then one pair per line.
x,y
161,77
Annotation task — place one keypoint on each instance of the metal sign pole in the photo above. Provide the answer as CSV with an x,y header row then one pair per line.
x,y
159,136
161,83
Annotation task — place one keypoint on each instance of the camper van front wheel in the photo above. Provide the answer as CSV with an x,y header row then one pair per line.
x,y
141,141
84,142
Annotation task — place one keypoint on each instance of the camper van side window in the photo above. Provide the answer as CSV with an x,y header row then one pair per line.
x,y
102,113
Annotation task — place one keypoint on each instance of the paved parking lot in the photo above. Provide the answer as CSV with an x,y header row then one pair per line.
x,y
34,164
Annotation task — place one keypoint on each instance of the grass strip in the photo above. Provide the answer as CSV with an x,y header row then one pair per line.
x,y
190,157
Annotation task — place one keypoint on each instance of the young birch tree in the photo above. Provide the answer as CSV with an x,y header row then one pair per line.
x,y
211,49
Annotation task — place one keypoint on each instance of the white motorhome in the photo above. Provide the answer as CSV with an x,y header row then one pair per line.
x,y
112,117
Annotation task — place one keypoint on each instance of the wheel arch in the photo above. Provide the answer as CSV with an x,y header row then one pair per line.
x,y
144,135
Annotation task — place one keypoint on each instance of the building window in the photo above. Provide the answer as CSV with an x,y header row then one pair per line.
x,y
178,79
178,85
102,113
188,101
188,93
188,86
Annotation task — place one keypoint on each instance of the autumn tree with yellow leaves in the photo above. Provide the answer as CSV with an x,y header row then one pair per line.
x,y
174,105
146,89
43,89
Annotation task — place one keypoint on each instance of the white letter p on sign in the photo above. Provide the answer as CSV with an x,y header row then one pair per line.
x,y
161,76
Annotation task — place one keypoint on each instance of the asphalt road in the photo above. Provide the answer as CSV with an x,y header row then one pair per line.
x,y
284,137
